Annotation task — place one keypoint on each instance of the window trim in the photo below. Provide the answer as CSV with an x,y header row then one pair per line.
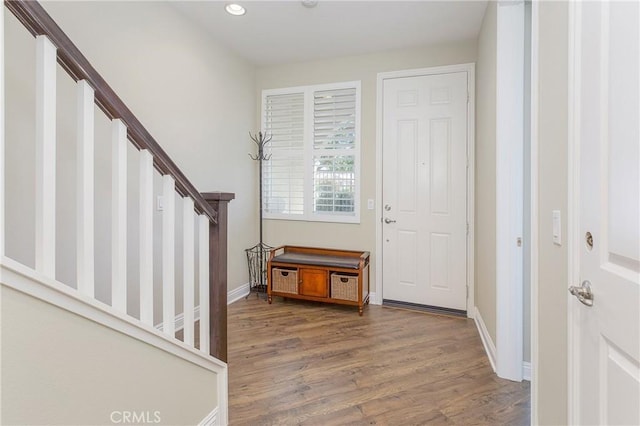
x,y
308,198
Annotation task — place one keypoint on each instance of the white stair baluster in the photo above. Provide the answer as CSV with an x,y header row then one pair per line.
x,y
168,254
119,217
146,237
85,190
188,267
203,280
45,156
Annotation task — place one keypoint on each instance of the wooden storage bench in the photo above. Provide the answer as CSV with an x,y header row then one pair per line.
x,y
322,275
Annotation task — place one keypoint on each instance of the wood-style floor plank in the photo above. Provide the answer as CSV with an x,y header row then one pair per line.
x,y
296,362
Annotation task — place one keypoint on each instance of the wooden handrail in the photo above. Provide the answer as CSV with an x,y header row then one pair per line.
x,y
38,22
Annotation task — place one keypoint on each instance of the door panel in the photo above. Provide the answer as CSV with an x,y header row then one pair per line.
x,y
605,369
407,264
425,189
440,165
440,262
313,282
407,157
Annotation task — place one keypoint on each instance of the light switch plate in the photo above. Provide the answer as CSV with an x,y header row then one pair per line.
x,y
557,227
159,203
370,204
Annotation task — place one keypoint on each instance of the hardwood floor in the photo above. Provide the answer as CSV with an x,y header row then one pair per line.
x,y
296,362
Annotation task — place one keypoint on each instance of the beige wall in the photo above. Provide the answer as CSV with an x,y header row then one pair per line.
x,y
196,98
60,369
552,170
364,68
485,223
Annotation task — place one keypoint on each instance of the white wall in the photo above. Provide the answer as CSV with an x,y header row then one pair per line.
x,y
485,226
553,195
196,98
364,68
58,368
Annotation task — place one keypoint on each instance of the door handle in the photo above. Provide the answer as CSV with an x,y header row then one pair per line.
x,y
583,293
387,220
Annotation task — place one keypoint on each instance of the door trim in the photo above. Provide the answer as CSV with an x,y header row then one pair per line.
x,y
509,198
470,69
534,214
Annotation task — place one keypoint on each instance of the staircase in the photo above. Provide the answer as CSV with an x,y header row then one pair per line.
x,y
80,345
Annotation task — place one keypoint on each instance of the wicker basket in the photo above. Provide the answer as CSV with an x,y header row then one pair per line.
x,y
344,287
284,280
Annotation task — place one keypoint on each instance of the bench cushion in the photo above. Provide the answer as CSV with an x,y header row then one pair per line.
x,y
319,260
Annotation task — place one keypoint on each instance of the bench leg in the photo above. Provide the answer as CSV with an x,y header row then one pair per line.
x,y
269,298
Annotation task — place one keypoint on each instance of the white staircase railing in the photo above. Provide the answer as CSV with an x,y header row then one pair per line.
x,y
203,244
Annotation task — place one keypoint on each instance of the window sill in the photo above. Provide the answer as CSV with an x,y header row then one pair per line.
x,y
322,219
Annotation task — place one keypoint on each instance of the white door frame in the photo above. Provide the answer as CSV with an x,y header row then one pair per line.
x,y
534,215
469,68
509,197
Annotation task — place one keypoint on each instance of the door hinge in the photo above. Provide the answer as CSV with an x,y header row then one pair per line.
x,y
468,97
467,228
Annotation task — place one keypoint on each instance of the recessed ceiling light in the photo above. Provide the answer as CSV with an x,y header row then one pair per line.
x,y
235,9
309,3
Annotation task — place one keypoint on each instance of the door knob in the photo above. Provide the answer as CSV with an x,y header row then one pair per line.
x,y
583,293
387,220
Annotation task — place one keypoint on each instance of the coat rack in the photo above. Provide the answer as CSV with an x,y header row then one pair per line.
x,y
257,255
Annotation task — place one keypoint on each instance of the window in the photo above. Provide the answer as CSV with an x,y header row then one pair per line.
x,y
313,167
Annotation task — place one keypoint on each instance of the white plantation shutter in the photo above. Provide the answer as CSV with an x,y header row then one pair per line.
x,y
313,172
334,119
334,143
284,171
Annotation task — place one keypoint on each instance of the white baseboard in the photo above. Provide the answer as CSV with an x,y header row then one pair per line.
x,y
179,320
487,342
232,296
373,299
238,293
526,371
211,419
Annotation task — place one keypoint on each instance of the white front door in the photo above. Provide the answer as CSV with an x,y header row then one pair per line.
x,y
605,348
425,190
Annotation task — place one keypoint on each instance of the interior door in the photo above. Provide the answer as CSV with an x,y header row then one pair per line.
x,y
425,190
605,362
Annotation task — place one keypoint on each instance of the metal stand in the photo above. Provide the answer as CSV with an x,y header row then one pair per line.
x,y
257,256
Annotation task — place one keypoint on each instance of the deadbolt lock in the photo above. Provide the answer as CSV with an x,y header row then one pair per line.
x,y
588,239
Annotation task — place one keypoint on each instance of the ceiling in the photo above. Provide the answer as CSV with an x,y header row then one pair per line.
x,y
277,32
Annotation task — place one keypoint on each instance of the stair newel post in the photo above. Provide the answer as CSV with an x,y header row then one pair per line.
x,y
218,239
